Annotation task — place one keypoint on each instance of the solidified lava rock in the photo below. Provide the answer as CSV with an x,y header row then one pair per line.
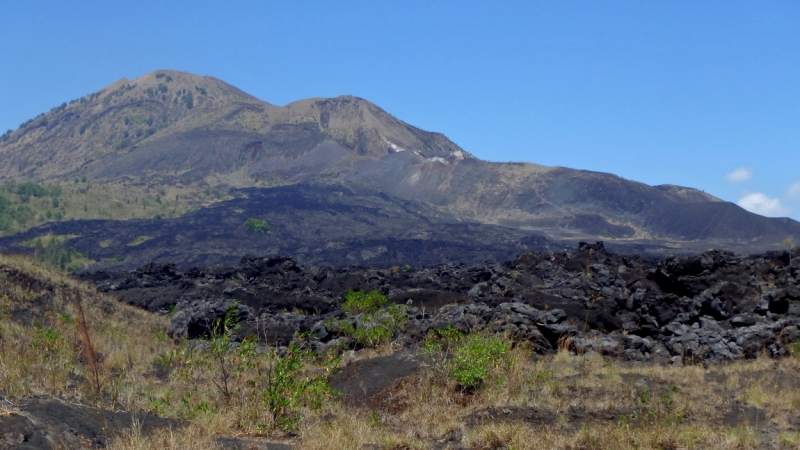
x,y
710,307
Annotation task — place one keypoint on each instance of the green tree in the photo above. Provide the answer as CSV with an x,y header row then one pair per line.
x,y
256,225
188,98
6,222
30,190
4,204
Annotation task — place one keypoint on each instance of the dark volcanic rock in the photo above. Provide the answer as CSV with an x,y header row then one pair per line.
x,y
710,307
39,423
198,318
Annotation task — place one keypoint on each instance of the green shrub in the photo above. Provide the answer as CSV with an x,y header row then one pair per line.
x,y
474,356
30,190
441,337
56,253
22,214
284,388
467,358
4,204
375,324
380,326
359,302
256,225
125,143
6,222
188,99
271,387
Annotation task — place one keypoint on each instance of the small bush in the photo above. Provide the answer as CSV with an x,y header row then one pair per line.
x,y
380,326
268,387
375,324
467,358
359,302
285,388
22,214
4,204
55,252
474,356
256,225
188,99
31,190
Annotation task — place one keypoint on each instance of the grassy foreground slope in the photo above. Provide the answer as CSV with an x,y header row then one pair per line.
x,y
61,339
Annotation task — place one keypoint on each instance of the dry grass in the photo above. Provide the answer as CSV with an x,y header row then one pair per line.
x,y
564,401
194,437
46,351
560,401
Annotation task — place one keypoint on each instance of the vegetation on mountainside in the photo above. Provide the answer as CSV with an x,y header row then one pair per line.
x,y
256,225
54,251
27,205
138,241
61,338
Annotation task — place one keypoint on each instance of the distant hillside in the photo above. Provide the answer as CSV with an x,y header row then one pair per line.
x,y
194,138
318,225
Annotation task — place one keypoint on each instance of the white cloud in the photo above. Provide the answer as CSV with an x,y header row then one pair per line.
x,y
762,204
739,175
793,191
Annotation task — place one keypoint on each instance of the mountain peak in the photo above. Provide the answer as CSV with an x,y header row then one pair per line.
x,y
153,120
369,130
192,132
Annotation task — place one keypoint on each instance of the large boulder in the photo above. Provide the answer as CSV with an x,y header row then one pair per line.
x,y
201,318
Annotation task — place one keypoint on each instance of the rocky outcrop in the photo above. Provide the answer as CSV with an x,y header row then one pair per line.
x,y
711,307
49,423
199,318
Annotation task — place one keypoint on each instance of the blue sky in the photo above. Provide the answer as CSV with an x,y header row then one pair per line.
x,y
695,93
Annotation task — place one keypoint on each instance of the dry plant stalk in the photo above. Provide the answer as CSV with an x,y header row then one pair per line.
x,y
88,349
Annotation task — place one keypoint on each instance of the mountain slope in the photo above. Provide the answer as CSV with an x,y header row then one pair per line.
x,y
183,130
173,123
319,225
